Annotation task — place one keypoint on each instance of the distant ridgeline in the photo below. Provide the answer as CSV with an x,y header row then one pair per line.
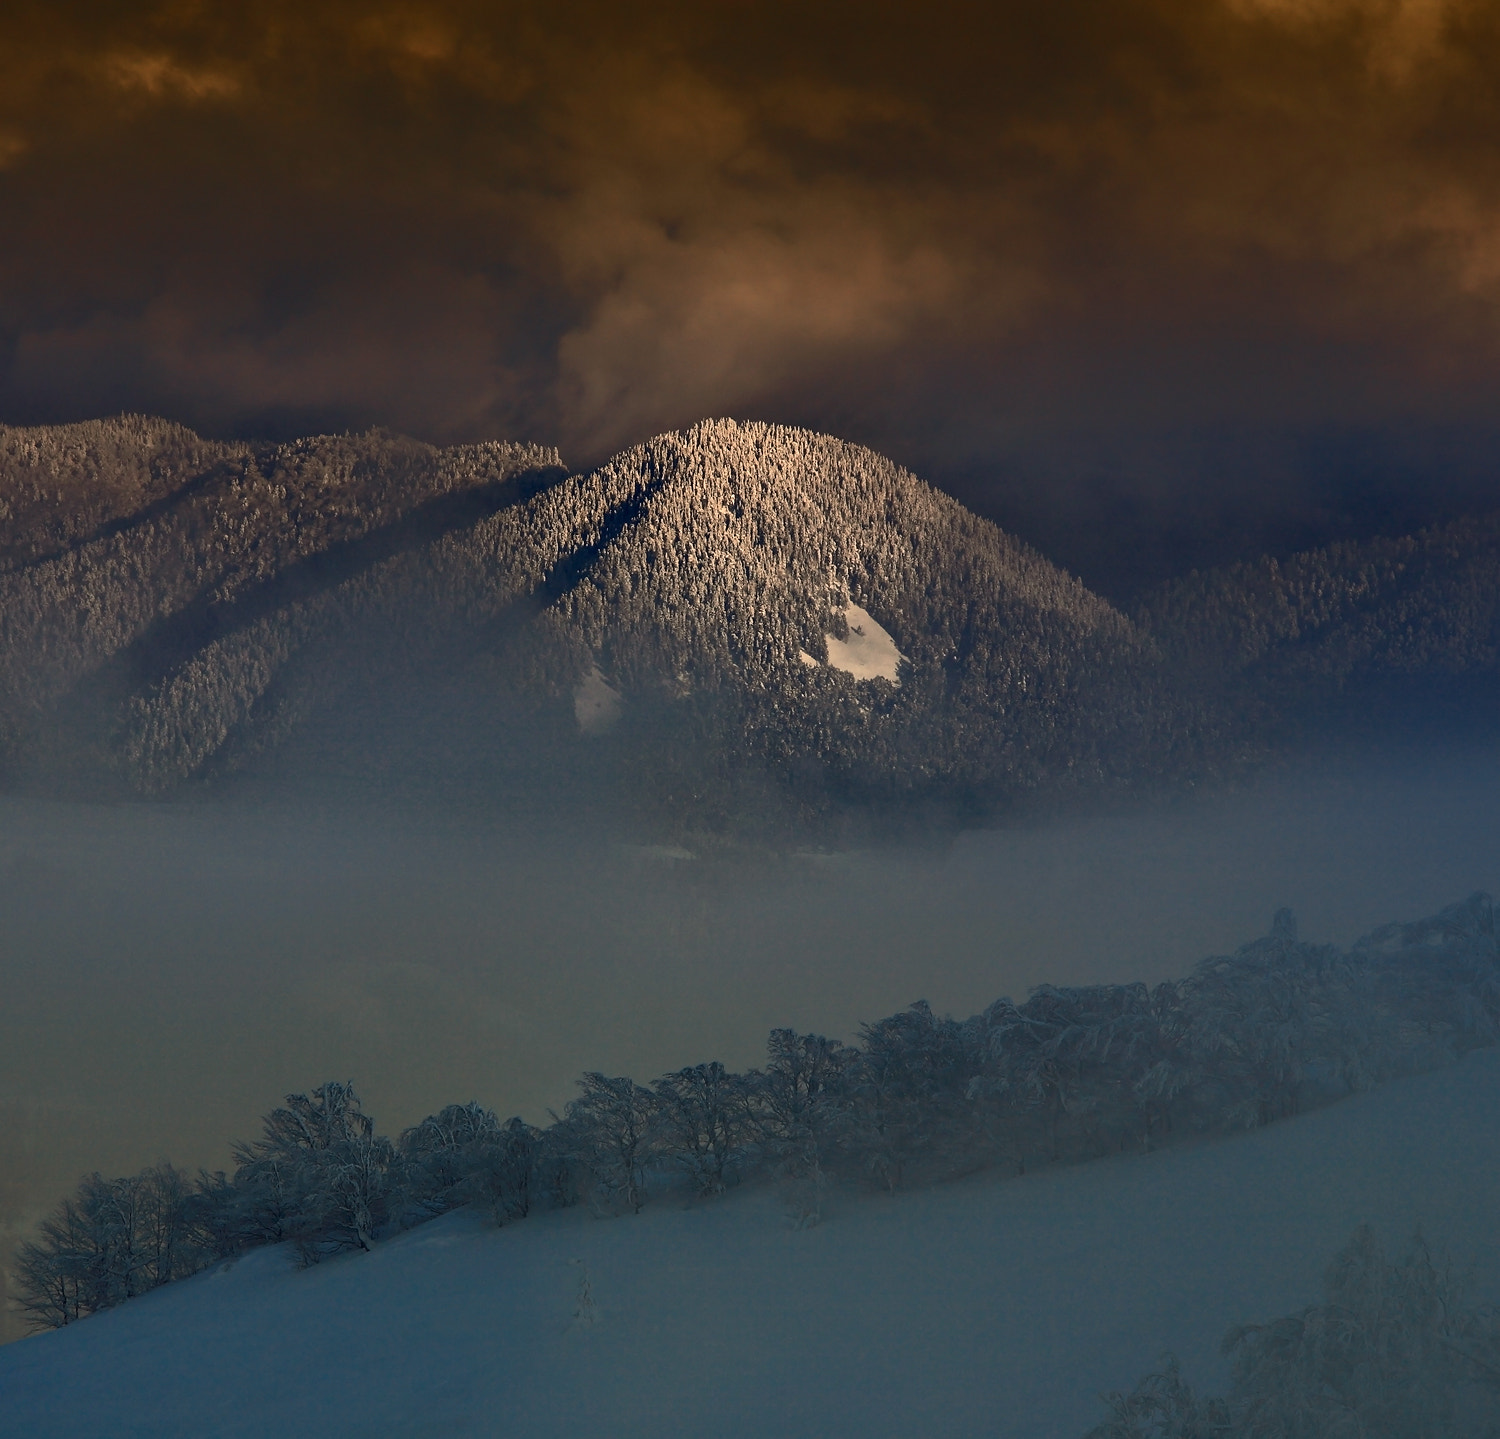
x,y
734,620
1072,1073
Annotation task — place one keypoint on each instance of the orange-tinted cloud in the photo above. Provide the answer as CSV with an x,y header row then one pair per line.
x,y
162,76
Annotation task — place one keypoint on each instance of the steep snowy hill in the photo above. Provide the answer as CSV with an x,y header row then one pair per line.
x,y
988,1307
715,596
731,603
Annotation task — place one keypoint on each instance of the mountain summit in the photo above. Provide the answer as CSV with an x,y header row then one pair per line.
x,y
783,595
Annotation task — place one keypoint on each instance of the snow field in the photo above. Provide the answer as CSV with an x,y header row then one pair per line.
x,y
990,1307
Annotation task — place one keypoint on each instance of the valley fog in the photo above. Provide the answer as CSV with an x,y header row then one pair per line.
x,y
169,972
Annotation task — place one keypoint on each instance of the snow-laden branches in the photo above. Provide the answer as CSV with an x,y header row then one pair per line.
x,y
319,1175
611,1131
114,1239
465,1155
1395,1351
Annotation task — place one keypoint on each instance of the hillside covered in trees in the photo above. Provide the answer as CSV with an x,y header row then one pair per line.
x,y
1242,1043
1071,1074
672,627
1410,621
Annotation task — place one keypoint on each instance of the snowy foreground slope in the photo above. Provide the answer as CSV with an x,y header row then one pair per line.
x,y
988,1307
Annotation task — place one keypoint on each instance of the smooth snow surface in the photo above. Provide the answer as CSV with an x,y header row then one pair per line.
x,y
869,653
596,703
986,1308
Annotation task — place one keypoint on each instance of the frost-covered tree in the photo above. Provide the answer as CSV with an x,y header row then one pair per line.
x,y
1163,1406
797,1094
319,1175
1066,1061
612,1130
1161,1068
465,1155
111,1240
1252,1018
1436,985
704,1114
515,1172
798,1114
439,1155
906,1096
1394,1351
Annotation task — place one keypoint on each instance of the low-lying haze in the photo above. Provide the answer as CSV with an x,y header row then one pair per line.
x,y
170,972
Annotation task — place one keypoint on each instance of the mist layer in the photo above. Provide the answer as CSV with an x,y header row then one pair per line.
x,y
171,972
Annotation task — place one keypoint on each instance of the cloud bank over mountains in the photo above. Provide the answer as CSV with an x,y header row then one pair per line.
x,y
1233,261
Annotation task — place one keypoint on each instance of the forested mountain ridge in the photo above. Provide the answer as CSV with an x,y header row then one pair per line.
x,y
1350,619
67,484
696,581
674,624
128,546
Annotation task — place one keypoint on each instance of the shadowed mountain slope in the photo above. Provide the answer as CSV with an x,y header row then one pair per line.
x,y
1407,623
129,546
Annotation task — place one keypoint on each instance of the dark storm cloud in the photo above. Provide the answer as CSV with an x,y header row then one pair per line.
x,y
1090,264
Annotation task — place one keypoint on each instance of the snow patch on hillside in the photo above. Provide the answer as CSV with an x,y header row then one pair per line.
x,y
869,653
596,703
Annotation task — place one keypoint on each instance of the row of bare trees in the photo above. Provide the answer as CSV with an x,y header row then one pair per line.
x,y
108,1242
1071,1073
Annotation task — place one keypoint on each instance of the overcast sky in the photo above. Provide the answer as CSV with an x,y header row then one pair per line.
x,y
1152,282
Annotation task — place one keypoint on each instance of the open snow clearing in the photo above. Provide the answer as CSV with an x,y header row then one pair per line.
x,y
869,653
